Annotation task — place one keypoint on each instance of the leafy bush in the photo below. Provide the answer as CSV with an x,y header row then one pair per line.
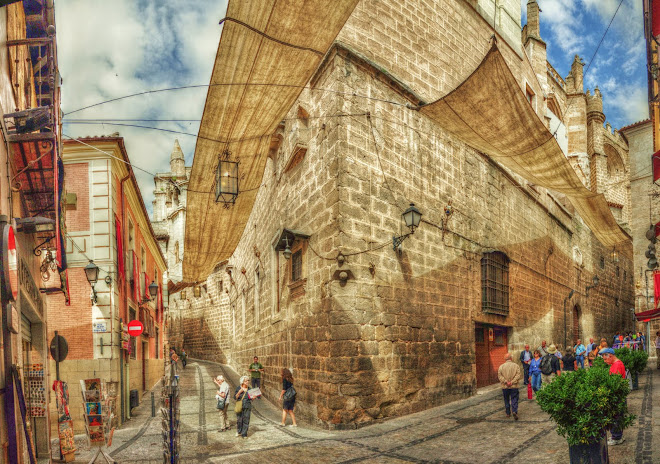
x,y
634,360
600,362
585,403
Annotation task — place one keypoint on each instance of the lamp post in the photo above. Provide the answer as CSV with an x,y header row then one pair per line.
x,y
92,274
412,217
596,281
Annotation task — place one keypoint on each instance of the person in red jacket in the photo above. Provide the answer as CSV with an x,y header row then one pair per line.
x,y
616,367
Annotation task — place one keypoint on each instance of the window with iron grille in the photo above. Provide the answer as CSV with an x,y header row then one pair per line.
x,y
296,266
495,283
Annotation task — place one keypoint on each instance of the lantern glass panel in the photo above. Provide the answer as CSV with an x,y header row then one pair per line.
x,y
227,181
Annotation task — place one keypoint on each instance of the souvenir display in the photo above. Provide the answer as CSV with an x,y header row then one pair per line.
x,y
35,390
170,414
98,406
65,424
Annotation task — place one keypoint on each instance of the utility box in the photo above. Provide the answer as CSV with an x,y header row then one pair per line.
x,y
134,399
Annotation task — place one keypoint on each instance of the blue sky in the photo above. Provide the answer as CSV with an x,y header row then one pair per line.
x,y
571,27
108,49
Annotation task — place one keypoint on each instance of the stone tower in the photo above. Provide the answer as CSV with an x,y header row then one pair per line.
x,y
177,163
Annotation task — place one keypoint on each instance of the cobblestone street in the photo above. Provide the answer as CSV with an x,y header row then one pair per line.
x,y
469,431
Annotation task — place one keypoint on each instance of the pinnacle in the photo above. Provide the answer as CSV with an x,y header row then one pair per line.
x,y
177,153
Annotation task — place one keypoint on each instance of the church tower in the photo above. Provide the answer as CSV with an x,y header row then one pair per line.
x,y
177,163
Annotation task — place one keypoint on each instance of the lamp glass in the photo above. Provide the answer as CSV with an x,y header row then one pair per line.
x,y
227,181
153,289
287,252
596,280
412,216
197,291
92,272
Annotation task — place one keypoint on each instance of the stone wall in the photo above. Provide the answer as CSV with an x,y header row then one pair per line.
x,y
397,336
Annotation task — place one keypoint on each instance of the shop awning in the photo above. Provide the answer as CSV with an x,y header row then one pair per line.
x,y
490,112
648,315
268,51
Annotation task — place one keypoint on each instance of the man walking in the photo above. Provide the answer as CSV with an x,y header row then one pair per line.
x,y
525,359
509,376
222,396
550,366
580,351
255,373
590,346
616,367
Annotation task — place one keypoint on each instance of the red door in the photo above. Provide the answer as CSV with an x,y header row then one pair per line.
x,y
491,346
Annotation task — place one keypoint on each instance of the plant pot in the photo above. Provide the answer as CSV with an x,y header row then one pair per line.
x,y
635,380
595,453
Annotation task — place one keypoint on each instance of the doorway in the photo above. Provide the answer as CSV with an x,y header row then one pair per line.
x,y
145,355
576,324
490,348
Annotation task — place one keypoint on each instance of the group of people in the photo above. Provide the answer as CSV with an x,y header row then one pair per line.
x,y
249,388
634,341
174,357
546,362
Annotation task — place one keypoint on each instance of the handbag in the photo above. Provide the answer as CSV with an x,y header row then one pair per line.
x,y
239,406
289,394
221,403
530,394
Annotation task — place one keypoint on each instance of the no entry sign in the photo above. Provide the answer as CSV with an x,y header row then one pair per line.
x,y
135,328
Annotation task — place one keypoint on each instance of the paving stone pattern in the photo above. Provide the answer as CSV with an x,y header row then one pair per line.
x,y
466,431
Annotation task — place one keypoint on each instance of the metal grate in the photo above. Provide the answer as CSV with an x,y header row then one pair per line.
x,y
296,266
495,283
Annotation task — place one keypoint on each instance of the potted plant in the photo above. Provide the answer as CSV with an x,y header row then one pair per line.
x,y
635,361
584,405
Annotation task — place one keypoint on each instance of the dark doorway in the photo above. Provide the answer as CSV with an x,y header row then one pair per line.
x,y
145,356
491,346
576,324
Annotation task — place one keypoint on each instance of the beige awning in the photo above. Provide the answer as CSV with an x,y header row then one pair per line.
x,y
490,112
279,43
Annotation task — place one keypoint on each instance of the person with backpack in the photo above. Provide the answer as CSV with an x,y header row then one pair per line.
x,y
509,375
535,371
288,397
550,366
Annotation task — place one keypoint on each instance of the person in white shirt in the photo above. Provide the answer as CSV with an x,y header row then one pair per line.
x,y
222,393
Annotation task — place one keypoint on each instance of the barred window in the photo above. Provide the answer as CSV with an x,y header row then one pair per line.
x,y
296,266
495,283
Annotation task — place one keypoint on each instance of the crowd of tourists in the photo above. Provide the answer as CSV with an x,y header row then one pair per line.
x,y
249,389
546,362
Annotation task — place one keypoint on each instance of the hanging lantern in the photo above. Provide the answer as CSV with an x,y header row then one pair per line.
x,y
226,186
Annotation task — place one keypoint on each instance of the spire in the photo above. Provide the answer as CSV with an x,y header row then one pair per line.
x,y
533,23
177,161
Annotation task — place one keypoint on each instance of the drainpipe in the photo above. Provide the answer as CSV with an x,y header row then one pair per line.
x,y
570,295
122,400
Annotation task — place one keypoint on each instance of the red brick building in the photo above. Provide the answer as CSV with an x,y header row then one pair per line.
x,y
108,223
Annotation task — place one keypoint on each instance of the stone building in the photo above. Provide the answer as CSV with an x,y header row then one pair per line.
x,y
369,331
169,223
108,223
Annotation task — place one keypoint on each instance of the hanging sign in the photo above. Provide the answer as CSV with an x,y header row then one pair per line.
x,y
490,334
135,328
9,264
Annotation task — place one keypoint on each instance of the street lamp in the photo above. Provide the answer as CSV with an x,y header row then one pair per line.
x,y
92,274
197,291
226,186
614,255
153,289
412,217
596,281
287,249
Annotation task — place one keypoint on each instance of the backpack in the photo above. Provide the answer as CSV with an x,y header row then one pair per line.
x,y
546,364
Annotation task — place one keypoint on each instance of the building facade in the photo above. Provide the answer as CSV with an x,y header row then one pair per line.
x,y
30,194
169,223
108,223
371,329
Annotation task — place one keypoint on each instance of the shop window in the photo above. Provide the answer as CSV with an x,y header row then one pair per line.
x,y
495,283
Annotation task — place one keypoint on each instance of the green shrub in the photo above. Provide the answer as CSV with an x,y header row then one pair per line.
x,y
634,360
599,362
585,403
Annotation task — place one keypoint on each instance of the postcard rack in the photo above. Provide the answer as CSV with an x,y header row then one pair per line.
x,y
170,414
98,414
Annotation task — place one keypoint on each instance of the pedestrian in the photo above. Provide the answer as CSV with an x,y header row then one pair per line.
x,y
184,358
616,367
550,366
525,358
173,357
543,349
616,339
255,372
243,417
580,351
222,397
603,343
569,362
657,348
593,354
290,403
590,346
509,376
535,371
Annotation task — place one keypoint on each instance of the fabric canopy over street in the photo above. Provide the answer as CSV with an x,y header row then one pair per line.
x,y
268,51
490,112
648,315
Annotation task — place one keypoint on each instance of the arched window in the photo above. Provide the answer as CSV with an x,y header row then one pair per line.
x,y
495,283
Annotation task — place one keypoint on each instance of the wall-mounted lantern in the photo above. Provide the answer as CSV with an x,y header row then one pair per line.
x,y
412,217
92,274
286,241
153,289
614,255
226,187
596,281
197,291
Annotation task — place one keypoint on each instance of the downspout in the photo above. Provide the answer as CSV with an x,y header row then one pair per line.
x,y
121,352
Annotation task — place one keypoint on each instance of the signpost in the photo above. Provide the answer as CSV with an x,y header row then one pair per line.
x,y
59,348
135,328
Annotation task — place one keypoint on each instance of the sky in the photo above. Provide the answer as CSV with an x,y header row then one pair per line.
x,y
108,49
571,27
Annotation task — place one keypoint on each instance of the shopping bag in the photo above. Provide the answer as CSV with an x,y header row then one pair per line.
x,y
529,391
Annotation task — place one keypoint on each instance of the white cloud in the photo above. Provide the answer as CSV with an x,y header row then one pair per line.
x,y
630,101
111,49
564,19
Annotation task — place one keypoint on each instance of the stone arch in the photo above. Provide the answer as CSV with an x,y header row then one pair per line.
x,y
615,166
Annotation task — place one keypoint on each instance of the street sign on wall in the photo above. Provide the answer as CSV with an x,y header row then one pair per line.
x,y
135,328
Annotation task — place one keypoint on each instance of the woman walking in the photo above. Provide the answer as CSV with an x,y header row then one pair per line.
x,y
569,362
241,397
222,396
535,371
289,403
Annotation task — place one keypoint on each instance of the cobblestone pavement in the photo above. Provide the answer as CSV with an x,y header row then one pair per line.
x,y
469,431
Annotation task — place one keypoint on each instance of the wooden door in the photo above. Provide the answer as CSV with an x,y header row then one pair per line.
x,y
490,348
